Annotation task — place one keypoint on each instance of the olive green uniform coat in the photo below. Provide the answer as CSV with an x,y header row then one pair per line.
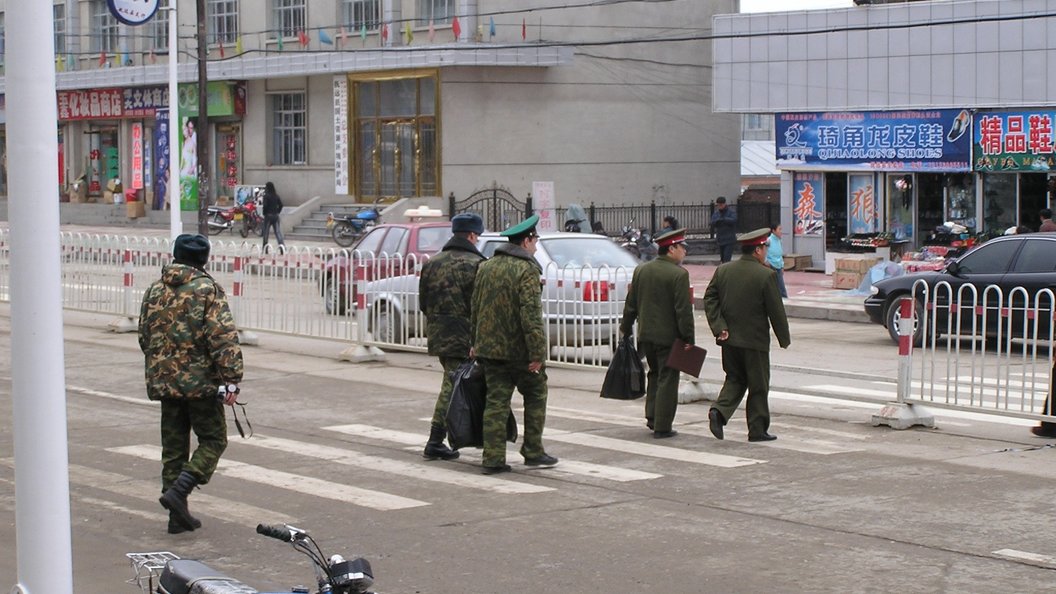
x,y
190,343
445,294
508,334
659,300
744,300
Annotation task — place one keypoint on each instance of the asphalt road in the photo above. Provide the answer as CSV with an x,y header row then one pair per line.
x,y
834,505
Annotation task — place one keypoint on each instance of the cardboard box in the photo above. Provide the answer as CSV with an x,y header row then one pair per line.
x,y
797,262
846,280
858,264
114,185
223,200
78,192
108,197
135,210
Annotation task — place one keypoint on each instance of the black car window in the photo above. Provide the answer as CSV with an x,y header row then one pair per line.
x,y
371,241
1038,255
395,242
990,258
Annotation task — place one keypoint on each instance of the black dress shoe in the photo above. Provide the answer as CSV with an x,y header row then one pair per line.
x,y
1043,432
763,437
544,460
664,434
715,423
649,424
496,469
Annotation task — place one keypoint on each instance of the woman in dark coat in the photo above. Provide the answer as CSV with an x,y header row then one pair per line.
x,y
271,209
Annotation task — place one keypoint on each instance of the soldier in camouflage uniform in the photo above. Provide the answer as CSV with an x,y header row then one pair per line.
x,y
445,292
510,339
188,336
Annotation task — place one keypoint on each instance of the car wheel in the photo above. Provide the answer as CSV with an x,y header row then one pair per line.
x,y
387,325
333,297
894,315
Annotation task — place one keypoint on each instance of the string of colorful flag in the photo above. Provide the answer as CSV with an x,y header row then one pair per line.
x,y
304,38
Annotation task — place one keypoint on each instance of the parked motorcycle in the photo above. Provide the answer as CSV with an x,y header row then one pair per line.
x,y
245,216
220,219
165,573
636,241
347,229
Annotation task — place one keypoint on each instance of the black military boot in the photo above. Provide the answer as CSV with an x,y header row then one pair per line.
x,y
175,527
175,500
436,449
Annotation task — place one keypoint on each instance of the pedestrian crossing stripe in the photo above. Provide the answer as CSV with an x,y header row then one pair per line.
x,y
647,449
569,467
420,471
148,492
302,484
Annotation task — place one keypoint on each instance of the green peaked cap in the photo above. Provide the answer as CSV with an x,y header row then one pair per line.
x,y
523,227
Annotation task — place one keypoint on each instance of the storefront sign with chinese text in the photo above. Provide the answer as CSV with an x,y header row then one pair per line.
x,y
929,140
1014,141
863,216
808,204
137,156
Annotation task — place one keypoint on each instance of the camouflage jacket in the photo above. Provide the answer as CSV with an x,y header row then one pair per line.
x,y
188,335
507,316
445,292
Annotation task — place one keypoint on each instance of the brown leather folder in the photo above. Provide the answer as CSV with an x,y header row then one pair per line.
x,y
686,361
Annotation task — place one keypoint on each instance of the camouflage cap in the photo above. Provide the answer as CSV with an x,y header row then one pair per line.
x,y
521,228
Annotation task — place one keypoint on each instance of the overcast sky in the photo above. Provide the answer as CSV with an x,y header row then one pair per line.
x,y
784,5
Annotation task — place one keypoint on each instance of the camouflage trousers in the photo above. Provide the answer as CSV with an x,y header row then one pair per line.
x,y
204,416
444,399
502,377
661,387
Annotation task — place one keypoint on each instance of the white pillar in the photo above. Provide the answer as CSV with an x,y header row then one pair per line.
x,y
175,222
42,488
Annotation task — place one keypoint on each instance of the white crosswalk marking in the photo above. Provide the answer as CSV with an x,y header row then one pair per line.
x,y
655,451
295,482
571,467
421,471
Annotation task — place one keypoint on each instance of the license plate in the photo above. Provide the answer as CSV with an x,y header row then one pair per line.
x,y
238,216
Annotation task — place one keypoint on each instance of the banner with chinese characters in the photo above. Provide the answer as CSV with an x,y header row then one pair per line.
x,y
928,140
1014,141
862,211
808,204
340,135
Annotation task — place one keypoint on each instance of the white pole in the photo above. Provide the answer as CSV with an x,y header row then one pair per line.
x,y
42,488
175,222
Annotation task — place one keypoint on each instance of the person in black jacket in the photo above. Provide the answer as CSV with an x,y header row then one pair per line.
x,y
271,209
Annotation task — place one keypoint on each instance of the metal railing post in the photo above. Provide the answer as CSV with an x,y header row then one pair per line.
x,y
900,414
127,322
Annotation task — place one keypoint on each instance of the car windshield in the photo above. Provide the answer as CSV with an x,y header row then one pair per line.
x,y
582,251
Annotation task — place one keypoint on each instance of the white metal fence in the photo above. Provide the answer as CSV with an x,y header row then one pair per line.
x,y
369,299
984,349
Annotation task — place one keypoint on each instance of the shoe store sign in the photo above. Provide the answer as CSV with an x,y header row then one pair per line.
x,y
925,140
1015,141
133,12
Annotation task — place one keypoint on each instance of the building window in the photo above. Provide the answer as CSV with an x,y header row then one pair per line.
x,y
159,31
396,137
223,21
288,17
435,11
356,14
105,28
289,129
58,13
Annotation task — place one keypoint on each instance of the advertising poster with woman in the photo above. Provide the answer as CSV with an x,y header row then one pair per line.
x,y
188,165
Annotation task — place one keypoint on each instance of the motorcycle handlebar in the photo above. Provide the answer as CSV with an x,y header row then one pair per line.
x,y
277,532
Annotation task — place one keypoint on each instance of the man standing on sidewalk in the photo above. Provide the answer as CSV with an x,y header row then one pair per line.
x,y
724,226
445,293
659,300
742,303
509,338
189,339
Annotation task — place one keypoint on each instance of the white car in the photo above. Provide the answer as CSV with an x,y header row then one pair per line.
x,y
585,280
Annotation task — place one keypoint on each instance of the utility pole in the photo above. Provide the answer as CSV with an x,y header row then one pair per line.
x,y
202,126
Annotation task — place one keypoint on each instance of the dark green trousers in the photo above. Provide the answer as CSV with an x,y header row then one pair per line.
x,y
746,370
444,399
204,416
661,386
502,377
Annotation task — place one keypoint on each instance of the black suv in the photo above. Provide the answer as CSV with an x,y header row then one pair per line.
x,y
997,285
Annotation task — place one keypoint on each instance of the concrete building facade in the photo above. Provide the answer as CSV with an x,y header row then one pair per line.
x,y
357,100
894,119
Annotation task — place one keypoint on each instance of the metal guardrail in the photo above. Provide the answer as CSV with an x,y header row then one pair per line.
x,y
984,350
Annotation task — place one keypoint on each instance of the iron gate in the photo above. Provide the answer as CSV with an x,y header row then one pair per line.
x,y
499,208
